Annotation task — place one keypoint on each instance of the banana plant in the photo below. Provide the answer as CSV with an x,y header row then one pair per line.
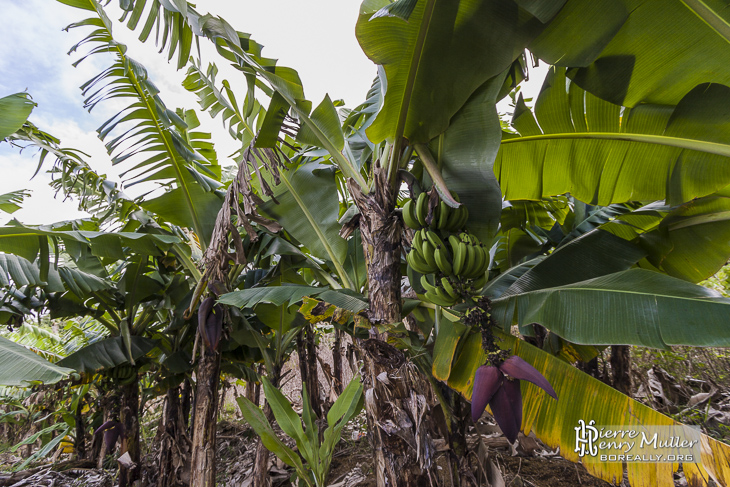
x,y
316,450
439,103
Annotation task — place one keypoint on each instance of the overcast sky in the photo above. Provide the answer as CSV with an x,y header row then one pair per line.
x,y
315,37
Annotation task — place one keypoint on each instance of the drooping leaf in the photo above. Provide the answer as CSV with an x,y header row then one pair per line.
x,y
583,397
10,202
465,154
634,307
687,241
309,210
578,261
20,367
107,354
276,295
151,140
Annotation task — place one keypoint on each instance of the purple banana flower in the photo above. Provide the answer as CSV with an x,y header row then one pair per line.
x,y
210,322
500,388
112,430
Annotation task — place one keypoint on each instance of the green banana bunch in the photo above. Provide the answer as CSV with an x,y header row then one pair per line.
x,y
475,255
452,262
122,374
415,214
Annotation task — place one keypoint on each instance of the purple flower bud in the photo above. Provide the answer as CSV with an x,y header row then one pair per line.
x,y
487,380
507,409
112,430
517,368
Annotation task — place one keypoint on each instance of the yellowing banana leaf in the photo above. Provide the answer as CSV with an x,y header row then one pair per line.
x,y
443,351
583,397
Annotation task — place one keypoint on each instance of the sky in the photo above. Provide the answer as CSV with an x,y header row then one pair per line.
x,y
315,37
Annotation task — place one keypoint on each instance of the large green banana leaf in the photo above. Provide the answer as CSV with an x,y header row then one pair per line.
x,y
602,154
21,367
633,307
27,241
150,139
291,294
308,207
578,261
634,51
688,241
583,397
14,111
436,53
465,153
107,354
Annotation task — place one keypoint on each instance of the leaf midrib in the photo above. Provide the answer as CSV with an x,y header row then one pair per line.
x,y
663,140
568,287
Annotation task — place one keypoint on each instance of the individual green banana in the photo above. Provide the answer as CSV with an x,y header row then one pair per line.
x,y
441,293
408,215
416,263
422,208
427,252
444,214
128,380
421,261
434,298
458,249
418,239
478,262
485,266
427,285
450,291
462,215
434,238
468,261
441,257
454,216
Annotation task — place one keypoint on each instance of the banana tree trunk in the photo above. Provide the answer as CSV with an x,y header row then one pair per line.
x,y
621,368
202,464
308,368
396,395
80,446
185,401
129,417
337,362
174,454
380,230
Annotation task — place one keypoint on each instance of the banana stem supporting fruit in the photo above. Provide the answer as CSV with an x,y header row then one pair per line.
x,y
428,162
